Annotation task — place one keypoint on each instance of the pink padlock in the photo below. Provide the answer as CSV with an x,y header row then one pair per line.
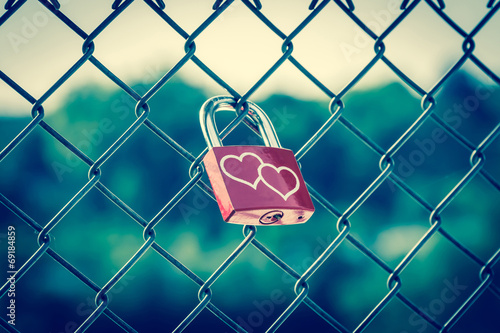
x,y
254,185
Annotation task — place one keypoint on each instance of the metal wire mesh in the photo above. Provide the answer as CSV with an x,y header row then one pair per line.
x,y
337,108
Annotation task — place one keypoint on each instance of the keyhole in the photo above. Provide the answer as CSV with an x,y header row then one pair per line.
x,y
271,217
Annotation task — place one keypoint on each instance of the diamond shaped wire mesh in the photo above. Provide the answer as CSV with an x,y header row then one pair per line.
x,y
92,171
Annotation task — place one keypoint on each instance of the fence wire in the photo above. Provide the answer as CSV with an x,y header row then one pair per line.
x,y
337,109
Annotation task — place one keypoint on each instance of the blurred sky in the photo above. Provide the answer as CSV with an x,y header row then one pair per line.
x,y
36,48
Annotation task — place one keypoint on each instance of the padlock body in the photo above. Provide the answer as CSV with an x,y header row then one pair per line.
x,y
257,185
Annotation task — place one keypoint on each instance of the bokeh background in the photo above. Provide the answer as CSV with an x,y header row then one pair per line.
x,y
40,175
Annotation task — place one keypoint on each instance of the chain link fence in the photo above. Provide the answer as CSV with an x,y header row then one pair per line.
x,y
392,170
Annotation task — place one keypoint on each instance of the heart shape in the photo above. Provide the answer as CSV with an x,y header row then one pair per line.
x,y
285,196
240,159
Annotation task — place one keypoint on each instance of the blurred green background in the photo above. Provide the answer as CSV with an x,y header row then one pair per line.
x,y
41,175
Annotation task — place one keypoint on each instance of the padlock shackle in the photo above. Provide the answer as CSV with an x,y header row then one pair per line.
x,y
227,103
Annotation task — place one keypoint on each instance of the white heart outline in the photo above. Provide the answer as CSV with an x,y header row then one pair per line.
x,y
240,158
279,169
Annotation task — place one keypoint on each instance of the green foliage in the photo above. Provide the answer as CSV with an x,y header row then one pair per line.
x,y
41,175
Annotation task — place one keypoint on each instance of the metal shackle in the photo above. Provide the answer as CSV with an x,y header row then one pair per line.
x,y
226,103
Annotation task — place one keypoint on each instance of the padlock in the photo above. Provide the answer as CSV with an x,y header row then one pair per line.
x,y
253,185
